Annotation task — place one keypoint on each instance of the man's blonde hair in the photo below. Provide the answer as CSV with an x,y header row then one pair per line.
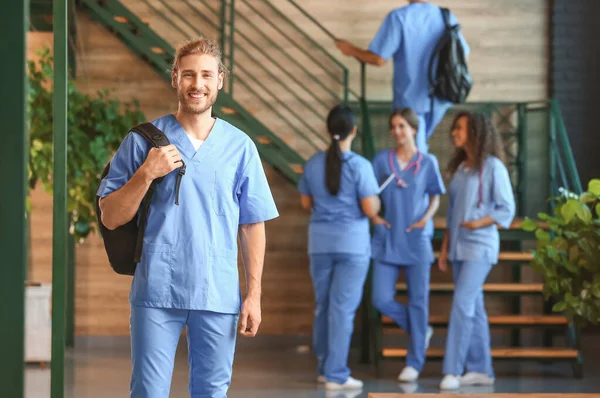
x,y
199,45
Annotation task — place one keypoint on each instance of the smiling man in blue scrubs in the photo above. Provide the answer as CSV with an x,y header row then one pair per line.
x,y
410,35
188,273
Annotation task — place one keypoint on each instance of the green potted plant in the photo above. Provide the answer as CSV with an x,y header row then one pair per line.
x,y
567,254
96,126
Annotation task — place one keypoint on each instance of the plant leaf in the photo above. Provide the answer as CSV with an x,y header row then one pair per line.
x,y
529,225
594,187
584,213
559,307
542,235
587,197
569,209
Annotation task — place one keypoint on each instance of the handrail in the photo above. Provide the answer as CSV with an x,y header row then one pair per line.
x,y
260,84
289,74
313,19
561,129
274,26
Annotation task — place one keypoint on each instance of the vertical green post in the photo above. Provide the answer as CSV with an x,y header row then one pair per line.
x,y
231,44
346,88
13,160
552,148
223,27
548,304
522,157
70,323
59,230
368,152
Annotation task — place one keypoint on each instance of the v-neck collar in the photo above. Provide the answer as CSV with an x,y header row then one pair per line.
x,y
397,161
185,144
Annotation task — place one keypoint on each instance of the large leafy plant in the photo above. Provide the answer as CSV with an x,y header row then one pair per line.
x,y
96,126
568,254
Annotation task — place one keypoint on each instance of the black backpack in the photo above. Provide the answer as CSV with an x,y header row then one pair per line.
x,y
451,80
124,244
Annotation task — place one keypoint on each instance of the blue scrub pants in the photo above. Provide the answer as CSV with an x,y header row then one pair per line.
x,y
421,138
155,333
338,280
414,319
428,121
468,340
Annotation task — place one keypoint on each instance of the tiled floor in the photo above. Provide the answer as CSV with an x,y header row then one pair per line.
x,y
269,367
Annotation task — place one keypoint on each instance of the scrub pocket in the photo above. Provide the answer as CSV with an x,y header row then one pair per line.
x,y
223,195
154,276
226,292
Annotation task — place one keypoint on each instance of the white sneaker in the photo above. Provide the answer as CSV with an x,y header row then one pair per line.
x,y
450,382
343,394
428,337
408,375
350,384
321,379
477,379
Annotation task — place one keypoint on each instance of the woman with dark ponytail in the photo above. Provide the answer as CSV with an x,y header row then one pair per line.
x,y
340,190
411,185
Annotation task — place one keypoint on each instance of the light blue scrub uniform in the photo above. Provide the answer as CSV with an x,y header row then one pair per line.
x,y
188,274
474,195
410,34
339,249
394,249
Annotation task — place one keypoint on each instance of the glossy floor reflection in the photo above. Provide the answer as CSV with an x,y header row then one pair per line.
x,y
269,367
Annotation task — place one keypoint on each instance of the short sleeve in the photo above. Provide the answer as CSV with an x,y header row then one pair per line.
x,y
503,206
435,182
255,198
366,183
303,186
388,38
128,158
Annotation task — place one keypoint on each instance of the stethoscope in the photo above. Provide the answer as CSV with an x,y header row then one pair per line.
x,y
480,188
400,182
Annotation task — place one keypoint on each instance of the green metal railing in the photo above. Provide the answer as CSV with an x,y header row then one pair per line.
x,y
563,174
563,170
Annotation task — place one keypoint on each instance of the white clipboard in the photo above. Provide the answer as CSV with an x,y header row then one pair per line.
x,y
386,183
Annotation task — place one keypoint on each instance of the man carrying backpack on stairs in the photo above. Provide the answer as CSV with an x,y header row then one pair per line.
x,y
430,69
212,189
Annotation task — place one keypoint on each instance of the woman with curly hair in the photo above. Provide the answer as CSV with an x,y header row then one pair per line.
x,y
481,198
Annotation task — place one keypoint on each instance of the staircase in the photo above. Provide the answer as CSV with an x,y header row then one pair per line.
x,y
282,85
285,80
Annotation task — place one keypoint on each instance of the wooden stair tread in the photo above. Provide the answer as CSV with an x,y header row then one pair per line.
x,y
441,223
487,288
507,256
496,353
500,320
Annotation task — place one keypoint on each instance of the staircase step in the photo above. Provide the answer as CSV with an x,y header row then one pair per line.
x,y
498,320
497,353
440,223
507,256
508,288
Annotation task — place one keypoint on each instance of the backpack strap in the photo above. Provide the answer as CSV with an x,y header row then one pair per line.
x,y
446,16
157,139
432,81
152,134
